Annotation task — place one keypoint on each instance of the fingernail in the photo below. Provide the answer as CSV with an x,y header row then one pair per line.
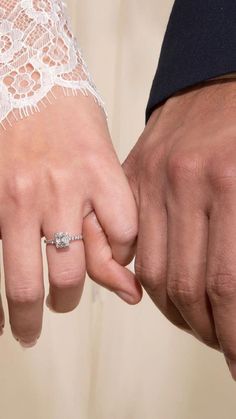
x,y
232,368
27,344
48,304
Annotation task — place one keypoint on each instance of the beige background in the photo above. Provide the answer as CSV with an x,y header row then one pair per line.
x,y
107,360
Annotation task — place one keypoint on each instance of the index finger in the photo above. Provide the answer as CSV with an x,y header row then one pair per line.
x,y
116,211
101,266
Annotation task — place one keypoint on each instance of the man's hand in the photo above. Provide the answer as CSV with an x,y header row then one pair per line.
x,y
183,175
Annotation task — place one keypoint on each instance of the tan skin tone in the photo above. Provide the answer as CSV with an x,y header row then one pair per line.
x,y
183,175
58,167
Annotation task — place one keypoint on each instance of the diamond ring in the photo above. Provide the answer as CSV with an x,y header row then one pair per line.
x,y
62,239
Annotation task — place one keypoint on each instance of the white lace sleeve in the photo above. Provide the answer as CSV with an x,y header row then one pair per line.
x,y
37,52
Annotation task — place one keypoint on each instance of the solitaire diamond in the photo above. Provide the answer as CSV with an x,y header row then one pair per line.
x,y
62,239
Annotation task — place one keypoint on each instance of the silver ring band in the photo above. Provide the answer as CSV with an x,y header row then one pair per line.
x,y
62,239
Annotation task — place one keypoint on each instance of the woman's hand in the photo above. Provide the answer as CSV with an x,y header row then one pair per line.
x,y
58,168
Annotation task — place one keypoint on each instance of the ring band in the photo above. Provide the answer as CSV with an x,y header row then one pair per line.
x,y
62,239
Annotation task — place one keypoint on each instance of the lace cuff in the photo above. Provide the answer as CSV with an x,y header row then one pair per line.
x,y
37,52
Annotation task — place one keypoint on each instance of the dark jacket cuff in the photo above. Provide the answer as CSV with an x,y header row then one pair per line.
x,y
199,44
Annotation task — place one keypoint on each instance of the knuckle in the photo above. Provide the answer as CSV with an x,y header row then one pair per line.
x,y
93,163
151,279
127,235
183,167
152,161
66,279
222,175
182,292
26,295
20,187
59,180
221,285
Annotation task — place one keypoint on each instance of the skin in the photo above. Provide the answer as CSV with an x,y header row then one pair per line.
x,y
183,175
182,172
58,168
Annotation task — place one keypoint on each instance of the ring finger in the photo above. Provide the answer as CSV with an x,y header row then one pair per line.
x,y
66,266
187,252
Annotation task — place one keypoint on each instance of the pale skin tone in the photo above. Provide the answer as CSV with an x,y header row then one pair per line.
x,y
57,168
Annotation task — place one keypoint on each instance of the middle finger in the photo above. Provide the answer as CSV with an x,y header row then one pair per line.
x,y
21,241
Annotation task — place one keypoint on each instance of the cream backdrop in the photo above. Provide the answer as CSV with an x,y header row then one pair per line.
x,y
107,360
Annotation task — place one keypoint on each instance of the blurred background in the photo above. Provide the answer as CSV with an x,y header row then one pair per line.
x,y
107,360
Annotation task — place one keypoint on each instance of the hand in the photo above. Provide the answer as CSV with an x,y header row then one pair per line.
x,y
57,168
183,175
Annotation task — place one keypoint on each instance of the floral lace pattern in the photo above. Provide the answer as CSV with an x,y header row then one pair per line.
x,y
37,52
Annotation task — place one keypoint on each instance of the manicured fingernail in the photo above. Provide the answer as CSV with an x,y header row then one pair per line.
x,y
232,368
48,304
28,344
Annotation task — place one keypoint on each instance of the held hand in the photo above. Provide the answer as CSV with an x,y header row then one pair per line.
x,y
58,168
183,175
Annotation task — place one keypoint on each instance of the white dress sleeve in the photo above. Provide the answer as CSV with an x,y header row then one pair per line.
x,y
37,52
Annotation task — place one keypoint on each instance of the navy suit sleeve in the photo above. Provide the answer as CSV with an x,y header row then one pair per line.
x,y
199,44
